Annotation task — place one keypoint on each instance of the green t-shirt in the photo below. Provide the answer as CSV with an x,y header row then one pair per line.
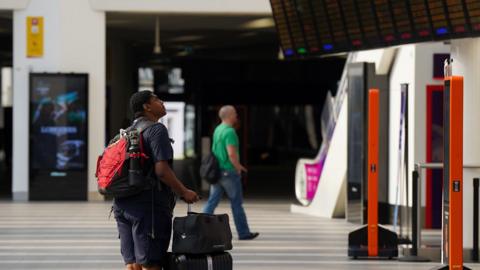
x,y
222,136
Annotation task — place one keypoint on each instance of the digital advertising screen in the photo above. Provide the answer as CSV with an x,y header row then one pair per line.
x,y
58,121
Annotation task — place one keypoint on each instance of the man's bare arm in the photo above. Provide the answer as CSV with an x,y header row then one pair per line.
x,y
232,155
167,176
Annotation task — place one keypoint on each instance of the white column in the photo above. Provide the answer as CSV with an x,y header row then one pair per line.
x,y
402,71
74,41
466,63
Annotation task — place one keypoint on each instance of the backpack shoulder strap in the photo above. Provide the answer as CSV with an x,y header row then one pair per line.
x,y
141,124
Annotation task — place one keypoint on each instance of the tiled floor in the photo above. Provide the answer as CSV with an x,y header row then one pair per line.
x,y
80,236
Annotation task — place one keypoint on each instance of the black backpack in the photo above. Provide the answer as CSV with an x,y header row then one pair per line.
x,y
209,169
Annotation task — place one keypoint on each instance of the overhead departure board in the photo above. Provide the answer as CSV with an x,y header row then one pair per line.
x,y
323,26
438,16
315,27
282,27
473,13
296,28
352,26
335,17
304,11
456,17
420,19
385,21
368,22
402,22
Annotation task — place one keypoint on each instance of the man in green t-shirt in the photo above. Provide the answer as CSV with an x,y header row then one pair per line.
x,y
225,147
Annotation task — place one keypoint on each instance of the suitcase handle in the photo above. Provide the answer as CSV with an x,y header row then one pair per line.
x,y
189,207
190,212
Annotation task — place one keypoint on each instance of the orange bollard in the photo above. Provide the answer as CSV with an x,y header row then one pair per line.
x,y
452,225
373,240
373,120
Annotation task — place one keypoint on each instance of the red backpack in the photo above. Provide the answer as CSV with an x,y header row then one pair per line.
x,y
120,169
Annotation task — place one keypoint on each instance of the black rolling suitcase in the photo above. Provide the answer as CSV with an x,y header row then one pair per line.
x,y
217,261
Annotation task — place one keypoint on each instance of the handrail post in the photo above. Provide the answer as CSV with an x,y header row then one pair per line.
x,y
416,230
475,219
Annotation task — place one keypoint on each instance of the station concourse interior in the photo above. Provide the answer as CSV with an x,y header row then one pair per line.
x,y
299,73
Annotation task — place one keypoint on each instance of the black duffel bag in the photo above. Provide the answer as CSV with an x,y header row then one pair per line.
x,y
199,233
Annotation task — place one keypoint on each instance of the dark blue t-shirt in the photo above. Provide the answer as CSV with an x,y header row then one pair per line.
x,y
158,147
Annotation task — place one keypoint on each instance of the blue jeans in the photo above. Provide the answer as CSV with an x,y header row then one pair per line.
x,y
230,183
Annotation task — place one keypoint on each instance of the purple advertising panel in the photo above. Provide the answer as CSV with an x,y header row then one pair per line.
x,y
313,171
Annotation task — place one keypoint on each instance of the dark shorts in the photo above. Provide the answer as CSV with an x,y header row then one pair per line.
x,y
139,243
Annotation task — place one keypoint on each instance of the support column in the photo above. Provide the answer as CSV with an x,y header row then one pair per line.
x,y
466,63
74,41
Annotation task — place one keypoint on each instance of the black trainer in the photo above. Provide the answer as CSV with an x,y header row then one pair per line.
x,y
250,236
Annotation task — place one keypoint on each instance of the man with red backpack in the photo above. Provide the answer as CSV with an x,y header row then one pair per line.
x,y
144,220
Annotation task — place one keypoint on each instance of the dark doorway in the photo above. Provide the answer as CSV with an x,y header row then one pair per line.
x,y
433,215
6,62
